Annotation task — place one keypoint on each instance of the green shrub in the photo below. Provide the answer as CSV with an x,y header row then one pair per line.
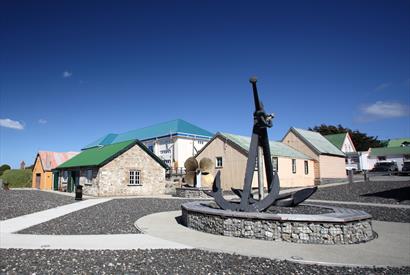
x,y
3,168
17,177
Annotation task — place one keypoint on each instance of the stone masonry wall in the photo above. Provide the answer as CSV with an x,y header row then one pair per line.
x,y
112,179
273,230
191,193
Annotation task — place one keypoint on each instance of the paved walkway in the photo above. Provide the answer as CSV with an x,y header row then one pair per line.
x,y
391,248
8,238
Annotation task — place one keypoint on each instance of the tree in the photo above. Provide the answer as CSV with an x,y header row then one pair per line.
x,y
361,141
3,168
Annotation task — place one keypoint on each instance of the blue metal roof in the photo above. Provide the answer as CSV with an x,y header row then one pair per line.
x,y
173,127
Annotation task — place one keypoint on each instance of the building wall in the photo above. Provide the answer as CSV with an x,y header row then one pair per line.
x,y
348,146
398,159
234,167
332,167
293,141
175,150
162,147
289,179
186,148
234,163
46,176
112,179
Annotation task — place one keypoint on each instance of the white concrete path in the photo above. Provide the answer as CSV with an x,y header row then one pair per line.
x,y
391,248
8,238
21,222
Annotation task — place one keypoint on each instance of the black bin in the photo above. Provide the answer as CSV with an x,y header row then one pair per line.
x,y
78,193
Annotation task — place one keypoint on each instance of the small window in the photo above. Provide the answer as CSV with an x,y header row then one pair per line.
x,y
65,175
89,176
294,166
151,148
275,164
218,162
306,167
135,177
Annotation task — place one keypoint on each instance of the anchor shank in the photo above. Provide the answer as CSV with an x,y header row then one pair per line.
x,y
264,142
250,168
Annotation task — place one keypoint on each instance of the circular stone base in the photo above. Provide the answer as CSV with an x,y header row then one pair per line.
x,y
191,192
338,226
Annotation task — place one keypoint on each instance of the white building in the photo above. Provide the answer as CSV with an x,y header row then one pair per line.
x,y
396,154
172,141
344,143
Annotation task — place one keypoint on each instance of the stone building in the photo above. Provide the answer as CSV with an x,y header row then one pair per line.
x,y
172,141
329,161
118,169
230,152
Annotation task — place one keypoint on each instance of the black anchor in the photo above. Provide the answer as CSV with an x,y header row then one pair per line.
x,y
261,122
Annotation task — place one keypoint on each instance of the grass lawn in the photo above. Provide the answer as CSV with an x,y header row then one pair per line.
x,y
17,177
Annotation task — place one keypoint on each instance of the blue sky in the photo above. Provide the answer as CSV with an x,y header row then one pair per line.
x,y
72,71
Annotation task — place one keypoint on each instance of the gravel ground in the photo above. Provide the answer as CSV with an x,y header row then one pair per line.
x,y
387,192
161,261
385,214
113,217
14,203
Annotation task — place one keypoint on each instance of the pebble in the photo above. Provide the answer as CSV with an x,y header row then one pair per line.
x,y
387,192
164,261
14,203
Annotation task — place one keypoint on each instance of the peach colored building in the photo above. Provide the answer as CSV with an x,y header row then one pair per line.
x,y
230,152
43,177
329,161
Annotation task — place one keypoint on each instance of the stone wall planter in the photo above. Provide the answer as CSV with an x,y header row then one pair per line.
x,y
342,226
191,192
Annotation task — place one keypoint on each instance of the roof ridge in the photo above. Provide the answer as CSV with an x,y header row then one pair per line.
x,y
149,126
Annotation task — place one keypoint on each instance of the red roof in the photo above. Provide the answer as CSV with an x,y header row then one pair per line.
x,y
50,160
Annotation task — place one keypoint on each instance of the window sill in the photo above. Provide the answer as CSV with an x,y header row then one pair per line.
x,y
88,184
134,184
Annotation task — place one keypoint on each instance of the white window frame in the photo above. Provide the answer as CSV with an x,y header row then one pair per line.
x,y
134,178
294,166
217,165
275,164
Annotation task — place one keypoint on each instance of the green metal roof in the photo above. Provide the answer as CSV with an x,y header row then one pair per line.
x,y
277,149
337,139
173,127
389,151
99,156
398,142
318,142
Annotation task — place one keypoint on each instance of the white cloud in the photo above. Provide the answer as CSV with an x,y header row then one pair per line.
x,y
382,87
13,124
383,109
67,74
42,121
